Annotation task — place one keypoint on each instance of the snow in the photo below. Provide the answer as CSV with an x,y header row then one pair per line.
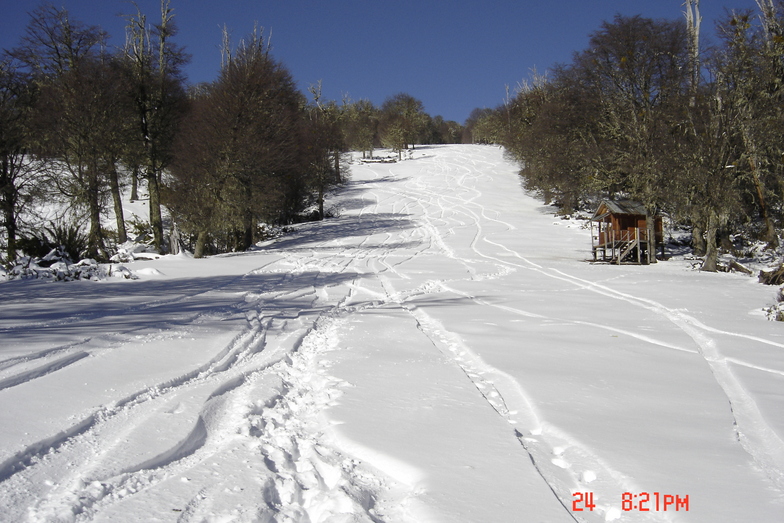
x,y
440,352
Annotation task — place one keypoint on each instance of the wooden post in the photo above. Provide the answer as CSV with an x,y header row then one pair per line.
x,y
639,245
650,222
612,245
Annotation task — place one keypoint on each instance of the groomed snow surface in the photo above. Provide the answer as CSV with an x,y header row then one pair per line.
x,y
440,352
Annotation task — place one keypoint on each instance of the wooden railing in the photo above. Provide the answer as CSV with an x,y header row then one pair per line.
x,y
613,236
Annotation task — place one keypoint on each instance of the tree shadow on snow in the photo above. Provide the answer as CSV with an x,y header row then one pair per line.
x,y
344,228
60,315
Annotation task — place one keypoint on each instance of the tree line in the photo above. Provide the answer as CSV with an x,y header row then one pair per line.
x,y
81,122
649,112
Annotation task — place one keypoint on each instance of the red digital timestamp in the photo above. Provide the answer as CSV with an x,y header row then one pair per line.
x,y
641,502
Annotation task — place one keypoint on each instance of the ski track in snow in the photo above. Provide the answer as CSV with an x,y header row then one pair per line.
x,y
304,478
549,446
257,405
753,431
546,452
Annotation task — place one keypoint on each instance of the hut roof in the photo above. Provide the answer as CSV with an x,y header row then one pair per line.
x,y
630,207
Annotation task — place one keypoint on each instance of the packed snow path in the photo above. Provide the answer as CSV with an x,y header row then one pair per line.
x,y
440,352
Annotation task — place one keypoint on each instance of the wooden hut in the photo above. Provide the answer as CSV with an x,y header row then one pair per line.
x,y
622,232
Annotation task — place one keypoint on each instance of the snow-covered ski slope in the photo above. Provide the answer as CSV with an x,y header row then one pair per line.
x,y
441,352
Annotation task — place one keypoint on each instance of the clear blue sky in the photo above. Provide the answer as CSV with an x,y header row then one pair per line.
x,y
453,55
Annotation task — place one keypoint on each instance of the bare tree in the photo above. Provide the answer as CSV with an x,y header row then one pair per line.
x,y
325,144
749,73
17,182
159,96
81,128
704,190
53,43
76,118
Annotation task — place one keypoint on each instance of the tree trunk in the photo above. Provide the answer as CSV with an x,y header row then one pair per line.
x,y
751,147
10,229
156,219
8,202
770,231
711,253
114,183
725,242
201,242
246,239
135,184
321,201
95,248
697,241
650,222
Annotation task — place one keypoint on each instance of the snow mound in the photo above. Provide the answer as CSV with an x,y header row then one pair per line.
x,y
149,271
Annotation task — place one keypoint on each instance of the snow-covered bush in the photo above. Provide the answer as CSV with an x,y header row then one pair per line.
x,y
140,230
266,232
57,266
776,312
130,251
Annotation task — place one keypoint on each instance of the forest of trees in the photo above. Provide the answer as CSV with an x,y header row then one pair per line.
x,y
649,112
81,123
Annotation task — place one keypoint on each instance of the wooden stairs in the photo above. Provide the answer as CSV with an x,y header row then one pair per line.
x,y
623,247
